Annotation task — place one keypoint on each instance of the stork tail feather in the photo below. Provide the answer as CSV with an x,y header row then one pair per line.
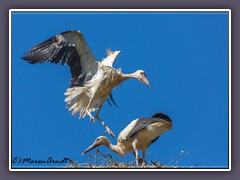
x,y
77,99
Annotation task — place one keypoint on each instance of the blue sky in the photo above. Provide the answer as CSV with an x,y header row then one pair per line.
x,y
185,57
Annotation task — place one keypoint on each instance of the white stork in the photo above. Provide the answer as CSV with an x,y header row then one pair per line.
x,y
92,81
138,135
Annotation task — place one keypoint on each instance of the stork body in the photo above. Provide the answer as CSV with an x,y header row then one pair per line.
x,y
92,81
138,135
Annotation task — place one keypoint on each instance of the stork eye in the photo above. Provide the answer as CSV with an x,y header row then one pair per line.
x,y
142,73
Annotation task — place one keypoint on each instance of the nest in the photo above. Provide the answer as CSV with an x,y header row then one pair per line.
x,y
106,161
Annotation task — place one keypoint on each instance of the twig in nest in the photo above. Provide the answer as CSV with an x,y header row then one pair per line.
x,y
153,163
89,164
196,165
113,161
177,161
175,158
102,153
157,164
96,157
74,164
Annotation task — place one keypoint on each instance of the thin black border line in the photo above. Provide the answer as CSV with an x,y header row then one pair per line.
x,y
228,11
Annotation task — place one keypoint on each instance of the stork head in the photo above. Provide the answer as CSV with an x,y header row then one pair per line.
x,y
101,140
142,77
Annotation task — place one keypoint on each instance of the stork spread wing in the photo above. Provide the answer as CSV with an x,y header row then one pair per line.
x,y
68,48
141,124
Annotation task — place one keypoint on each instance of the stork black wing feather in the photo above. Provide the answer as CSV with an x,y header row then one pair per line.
x,y
162,116
68,48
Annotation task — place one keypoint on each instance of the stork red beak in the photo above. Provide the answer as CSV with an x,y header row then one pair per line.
x,y
94,145
145,80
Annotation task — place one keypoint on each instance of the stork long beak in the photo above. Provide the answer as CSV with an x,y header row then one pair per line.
x,y
145,80
94,145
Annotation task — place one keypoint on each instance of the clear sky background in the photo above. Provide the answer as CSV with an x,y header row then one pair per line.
x,y
185,57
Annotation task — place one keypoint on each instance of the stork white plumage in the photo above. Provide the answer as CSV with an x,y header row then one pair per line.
x,y
92,81
138,135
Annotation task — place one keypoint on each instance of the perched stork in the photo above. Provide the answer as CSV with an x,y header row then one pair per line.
x,y
92,81
138,135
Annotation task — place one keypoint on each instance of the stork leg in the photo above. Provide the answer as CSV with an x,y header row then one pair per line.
x,y
138,157
98,118
144,160
92,119
90,115
140,160
135,152
103,123
97,114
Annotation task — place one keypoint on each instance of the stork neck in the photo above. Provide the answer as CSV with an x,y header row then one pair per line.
x,y
128,76
116,149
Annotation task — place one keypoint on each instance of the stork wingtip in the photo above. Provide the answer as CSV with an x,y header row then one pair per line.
x,y
24,58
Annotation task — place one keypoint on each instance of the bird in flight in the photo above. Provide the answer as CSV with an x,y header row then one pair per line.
x,y
138,135
92,81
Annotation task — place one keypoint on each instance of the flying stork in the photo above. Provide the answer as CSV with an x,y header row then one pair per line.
x,y
92,80
138,135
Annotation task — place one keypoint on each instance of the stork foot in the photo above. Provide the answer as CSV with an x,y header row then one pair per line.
x,y
92,119
108,130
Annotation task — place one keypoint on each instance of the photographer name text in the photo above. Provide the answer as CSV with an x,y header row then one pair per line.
x,y
49,160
